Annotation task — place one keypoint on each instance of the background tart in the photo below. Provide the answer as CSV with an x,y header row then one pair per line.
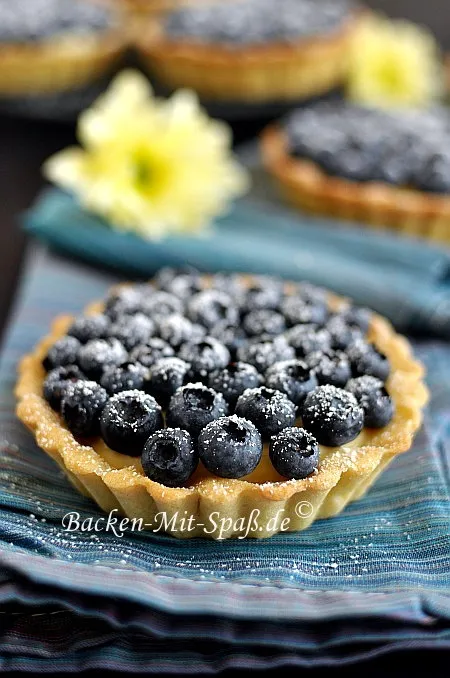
x,y
116,481
76,48
308,186
258,71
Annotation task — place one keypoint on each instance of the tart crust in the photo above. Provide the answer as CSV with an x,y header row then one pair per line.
x,y
375,204
252,73
222,508
58,64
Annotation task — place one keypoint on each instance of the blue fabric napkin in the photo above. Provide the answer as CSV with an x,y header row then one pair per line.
x,y
406,280
382,568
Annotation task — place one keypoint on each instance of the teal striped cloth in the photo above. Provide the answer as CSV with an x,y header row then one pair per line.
x,y
374,579
404,279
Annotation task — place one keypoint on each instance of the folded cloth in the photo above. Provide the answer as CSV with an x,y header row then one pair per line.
x,y
76,632
406,280
381,568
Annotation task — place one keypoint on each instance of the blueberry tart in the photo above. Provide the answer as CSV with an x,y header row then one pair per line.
x,y
251,51
53,46
149,427
377,167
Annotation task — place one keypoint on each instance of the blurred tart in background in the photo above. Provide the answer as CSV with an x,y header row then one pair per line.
x,y
252,50
140,7
50,46
386,168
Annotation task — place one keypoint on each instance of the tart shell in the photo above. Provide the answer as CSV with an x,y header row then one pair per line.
x,y
222,508
252,74
58,64
375,204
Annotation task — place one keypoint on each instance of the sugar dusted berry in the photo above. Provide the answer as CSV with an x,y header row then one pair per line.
x,y
332,415
330,367
193,406
210,307
376,402
149,353
165,377
57,381
128,420
87,327
233,380
132,330
81,406
367,359
125,377
292,377
263,354
294,453
98,354
271,411
204,356
230,447
169,457
63,352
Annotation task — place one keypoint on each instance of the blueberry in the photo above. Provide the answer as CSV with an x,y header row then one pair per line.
x,y
123,300
294,453
374,399
88,327
132,330
81,406
271,411
357,316
183,283
332,415
231,337
193,406
342,334
297,311
128,420
311,294
292,377
231,283
263,293
330,367
177,330
264,321
124,377
63,352
306,339
149,353
233,380
367,359
211,307
169,457
166,376
263,354
98,354
435,175
159,304
230,447
204,356
57,381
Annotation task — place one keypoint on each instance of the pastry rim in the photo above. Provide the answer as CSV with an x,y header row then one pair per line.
x,y
269,71
82,461
377,202
58,62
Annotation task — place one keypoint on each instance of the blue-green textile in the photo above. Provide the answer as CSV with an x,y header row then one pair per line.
x,y
405,279
382,568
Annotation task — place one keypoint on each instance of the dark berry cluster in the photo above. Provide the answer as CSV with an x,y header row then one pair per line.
x,y
246,22
193,368
404,148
